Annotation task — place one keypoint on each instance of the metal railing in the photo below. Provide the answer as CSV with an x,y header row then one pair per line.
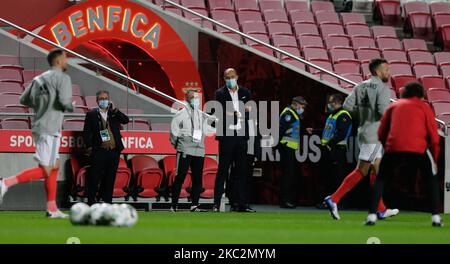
x,y
273,48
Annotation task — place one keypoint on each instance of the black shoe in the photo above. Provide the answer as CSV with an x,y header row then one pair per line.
x,y
288,205
245,210
173,209
196,208
216,209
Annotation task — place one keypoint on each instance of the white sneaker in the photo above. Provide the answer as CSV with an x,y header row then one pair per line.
x,y
57,215
3,190
371,219
332,206
436,220
387,213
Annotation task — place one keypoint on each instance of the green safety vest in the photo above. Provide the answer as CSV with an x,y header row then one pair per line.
x,y
330,128
292,136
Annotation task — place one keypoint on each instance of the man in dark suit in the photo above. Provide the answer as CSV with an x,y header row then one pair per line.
x,y
103,140
232,141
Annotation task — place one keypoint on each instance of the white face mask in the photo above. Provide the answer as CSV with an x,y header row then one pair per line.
x,y
231,83
195,103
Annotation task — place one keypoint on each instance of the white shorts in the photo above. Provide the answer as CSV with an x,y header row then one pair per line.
x,y
370,152
47,150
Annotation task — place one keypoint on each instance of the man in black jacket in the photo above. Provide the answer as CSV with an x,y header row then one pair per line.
x,y
103,139
233,140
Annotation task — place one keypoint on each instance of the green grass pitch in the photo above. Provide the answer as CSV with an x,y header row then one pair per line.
x,y
306,226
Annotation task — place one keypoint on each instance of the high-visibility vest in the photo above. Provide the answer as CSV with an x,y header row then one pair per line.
x,y
292,135
330,128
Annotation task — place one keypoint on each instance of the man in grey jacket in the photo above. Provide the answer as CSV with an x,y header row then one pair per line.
x,y
367,101
188,138
49,95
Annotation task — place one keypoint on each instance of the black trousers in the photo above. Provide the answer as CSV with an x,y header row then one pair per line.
x,y
416,162
288,188
230,191
102,175
232,150
184,162
334,163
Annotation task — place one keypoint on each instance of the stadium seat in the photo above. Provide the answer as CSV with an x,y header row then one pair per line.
x,y
220,4
197,19
311,53
270,5
438,94
394,55
8,99
11,73
416,56
73,124
295,63
79,170
367,54
365,70
400,68
284,40
290,49
445,70
14,109
420,24
223,15
389,12
208,178
260,36
306,29
441,107
356,78
232,35
28,75
169,167
174,10
297,16
194,3
11,87
15,123
122,183
254,27
231,23
293,5
347,67
9,60
414,44
149,177
246,5
323,63
76,90
363,42
352,18
275,16
400,80
317,6
329,17
415,6
389,43
439,7
429,82
331,29
131,111
249,16
383,31
424,69
441,58
310,41
79,100
445,37
80,109
445,117
341,53
358,30
277,28
337,41
91,101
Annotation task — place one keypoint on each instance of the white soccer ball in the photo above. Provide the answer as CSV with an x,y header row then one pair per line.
x,y
97,214
132,215
79,214
124,215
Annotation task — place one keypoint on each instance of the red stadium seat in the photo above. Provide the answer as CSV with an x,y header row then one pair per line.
x,y
358,30
79,171
260,36
198,20
174,10
363,42
365,70
429,82
91,101
416,56
306,29
323,63
394,55
311,53
445,36
356,78
310,41
15,123
414,7
263,49
249,16
80,109
73,124
284,40
438,94
439,7
208,178
9,60
445,70
8,99
347,67
400,68
149,177
122,183
270,5
441,107
389,43
194,3
289,49
277,28
317,6
331,29
293,5
232,35
414,44
389,12
223,15
399,81
169,165
383,31
297,16
28,75
219,4
337,41
231,23
11,87
295,63
330,17
79,100
343,53
420,24
138,125
424,69
14,109
441,58
11,72
352,18
246,5
445,117
367,54
76,89
275,16
254,27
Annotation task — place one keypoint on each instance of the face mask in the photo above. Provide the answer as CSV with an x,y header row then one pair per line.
x,y
300,111
103,104
231,83
330,108
195,103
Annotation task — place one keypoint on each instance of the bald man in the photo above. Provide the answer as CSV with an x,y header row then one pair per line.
x,y
233,141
